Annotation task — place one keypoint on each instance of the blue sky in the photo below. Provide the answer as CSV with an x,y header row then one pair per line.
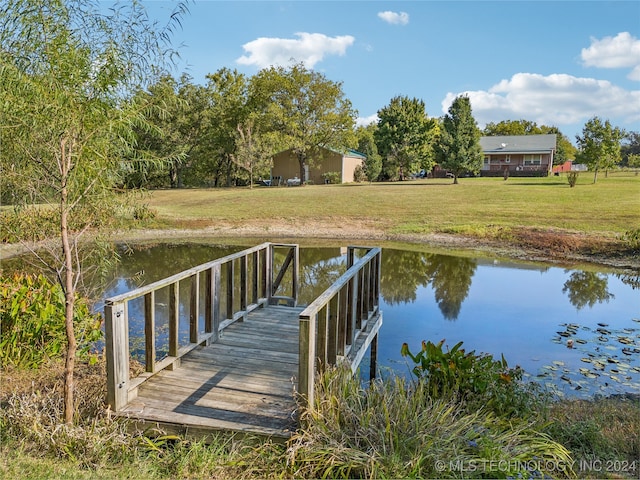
x,y
555,63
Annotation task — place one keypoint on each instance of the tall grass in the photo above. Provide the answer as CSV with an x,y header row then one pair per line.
x,y
391,429
396,430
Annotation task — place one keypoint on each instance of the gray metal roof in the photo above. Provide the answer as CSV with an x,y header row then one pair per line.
x,y
518,143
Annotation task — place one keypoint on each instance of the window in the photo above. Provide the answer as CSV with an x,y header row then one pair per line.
x,y
486,160
533,159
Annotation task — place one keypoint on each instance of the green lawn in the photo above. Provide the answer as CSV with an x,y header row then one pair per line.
x,y
609,207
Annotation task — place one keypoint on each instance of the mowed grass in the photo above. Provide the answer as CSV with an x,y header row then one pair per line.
x,y
607,208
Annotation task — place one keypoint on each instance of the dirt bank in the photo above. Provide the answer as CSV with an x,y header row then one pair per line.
x,y
524,244
546,245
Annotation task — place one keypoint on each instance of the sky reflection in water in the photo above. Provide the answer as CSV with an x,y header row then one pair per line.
x,y
520,310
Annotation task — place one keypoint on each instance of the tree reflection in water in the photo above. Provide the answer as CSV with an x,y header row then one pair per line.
x,y
587,288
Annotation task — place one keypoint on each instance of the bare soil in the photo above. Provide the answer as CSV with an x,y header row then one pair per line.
x,y
534,244
546,245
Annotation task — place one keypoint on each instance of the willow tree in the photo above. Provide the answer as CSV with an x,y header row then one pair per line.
x,y
66,124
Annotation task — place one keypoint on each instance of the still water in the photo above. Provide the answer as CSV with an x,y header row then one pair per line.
x,y
576,331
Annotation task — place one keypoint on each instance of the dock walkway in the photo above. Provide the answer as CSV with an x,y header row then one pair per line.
x,y
252,371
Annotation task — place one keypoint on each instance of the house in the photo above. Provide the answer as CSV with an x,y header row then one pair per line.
x,y
520,155
326,161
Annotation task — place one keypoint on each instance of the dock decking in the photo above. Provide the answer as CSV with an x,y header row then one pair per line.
x,y
245,381
252,371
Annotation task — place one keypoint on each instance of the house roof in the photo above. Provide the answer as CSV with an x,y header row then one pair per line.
x,y
518,143
355,153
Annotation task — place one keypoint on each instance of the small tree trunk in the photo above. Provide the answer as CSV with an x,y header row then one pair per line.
x,y
455,179
595,176
67,282
68,321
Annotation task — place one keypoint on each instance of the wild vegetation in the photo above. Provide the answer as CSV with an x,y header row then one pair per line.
x,y
89,114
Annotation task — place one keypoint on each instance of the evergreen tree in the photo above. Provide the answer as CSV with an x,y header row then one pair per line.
x,y
459,150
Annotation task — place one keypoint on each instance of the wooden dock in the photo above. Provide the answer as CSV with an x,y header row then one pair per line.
x,y
254,370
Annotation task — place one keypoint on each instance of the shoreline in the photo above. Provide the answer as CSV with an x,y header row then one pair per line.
x,y
547,246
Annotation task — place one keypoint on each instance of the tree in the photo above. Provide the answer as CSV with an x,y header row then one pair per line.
x,y
599,145
65,69
177,115
629,148
367,145
228,95
252,150
308,111
405,137
512,127
459,149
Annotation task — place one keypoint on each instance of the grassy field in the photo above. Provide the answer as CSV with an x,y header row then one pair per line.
x,y
608,208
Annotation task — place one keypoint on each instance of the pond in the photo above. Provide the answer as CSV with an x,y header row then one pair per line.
x,y
576,331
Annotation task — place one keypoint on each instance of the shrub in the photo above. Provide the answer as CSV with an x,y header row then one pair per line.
x,y
143,212
477,380
572,178
632,237
29,224
393,429
359,175
32,311
332,177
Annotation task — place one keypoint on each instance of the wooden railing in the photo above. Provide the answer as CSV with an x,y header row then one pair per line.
x,y
257,284
342,322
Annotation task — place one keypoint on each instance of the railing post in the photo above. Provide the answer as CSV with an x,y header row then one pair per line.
x,y
230,286
306,367
244,290
373,363
343,319
194,310
174,320
267,268
216,302
332,337
323,335
376,289
352,320
255,257
150,332
208,301
117,351
294,274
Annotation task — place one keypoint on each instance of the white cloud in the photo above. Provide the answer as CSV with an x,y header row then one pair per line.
x,y
394,18
308,48
364,121
621,51
556,99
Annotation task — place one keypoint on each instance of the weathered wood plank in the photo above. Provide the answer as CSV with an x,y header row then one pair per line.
x,y
244,375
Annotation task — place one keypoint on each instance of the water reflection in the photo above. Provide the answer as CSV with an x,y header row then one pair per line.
x,y
526,312
404,271
587,288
